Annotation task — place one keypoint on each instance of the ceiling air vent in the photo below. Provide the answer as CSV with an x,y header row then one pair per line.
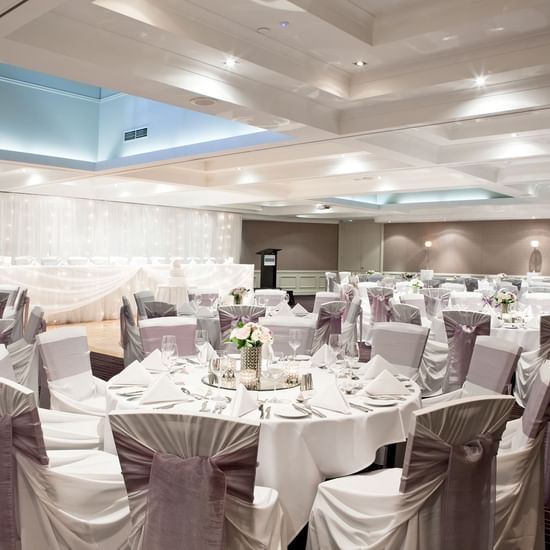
x,y
14,5
135,134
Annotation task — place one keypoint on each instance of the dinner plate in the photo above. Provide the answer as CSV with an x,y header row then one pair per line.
x,y
380,402
289,412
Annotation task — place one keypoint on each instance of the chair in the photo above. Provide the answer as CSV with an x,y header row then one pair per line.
x,y
538,289
329,321
493,363
471,283
66,358
433,367
323,298
230,315
441,499
538,302
520,475
400,344
156,309
379,301
458,287
331,279
530,362
206,297
271,297
183,328
467,300
462,328
17,314
192,478
55,499
130,339
142,297
404,313
353,317
281,327
343,277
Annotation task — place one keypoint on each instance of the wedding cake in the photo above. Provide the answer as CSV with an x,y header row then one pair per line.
x,y
176,275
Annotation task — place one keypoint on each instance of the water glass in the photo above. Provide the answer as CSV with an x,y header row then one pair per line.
x,y
294,341
201,338
168,349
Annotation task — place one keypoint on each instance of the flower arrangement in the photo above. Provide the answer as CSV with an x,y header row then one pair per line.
x,y
501,275
407,276
370,272
238,294
250,335
504,297
417,283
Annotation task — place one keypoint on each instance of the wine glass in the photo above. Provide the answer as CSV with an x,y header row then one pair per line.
x,y
219,367
201,338
197,301
276,372
168,349
294,341
335,347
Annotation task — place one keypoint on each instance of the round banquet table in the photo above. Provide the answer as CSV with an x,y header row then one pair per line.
x,y
527,338
295,455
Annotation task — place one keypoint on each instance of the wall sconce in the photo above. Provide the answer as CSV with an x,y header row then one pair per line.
x,y
428,244
535,260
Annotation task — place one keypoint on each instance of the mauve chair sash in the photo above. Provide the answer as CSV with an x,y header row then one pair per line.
x,y
229,320
461,339
380,309
23,434
186,496
130,339
468,499
331,318
545,333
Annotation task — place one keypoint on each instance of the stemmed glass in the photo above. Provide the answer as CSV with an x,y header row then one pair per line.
x,y
294,341
201,338
197,301
335,346
219,367
351,358
168,350
276,372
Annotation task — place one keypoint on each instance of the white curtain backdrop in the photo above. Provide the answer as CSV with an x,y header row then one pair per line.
x,y
39,226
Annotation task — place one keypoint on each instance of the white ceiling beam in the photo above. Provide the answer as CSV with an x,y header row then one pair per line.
x,y
441,16
401,147
343,16
27,12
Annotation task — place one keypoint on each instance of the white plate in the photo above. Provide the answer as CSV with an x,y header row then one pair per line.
x,y
289,412
380,402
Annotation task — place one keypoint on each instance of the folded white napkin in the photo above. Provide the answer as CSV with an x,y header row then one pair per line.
x,y
153,362
377,365
331,398
207,353
243,402
283,310
162,390
186,309
299,309
386,384
323,356
134,373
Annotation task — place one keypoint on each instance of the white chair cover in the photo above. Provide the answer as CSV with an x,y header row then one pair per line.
x,y
467,300
405,313
58,500
130,339
281,327
416,300
329,321
433,367
459,287
401,344
331,281
353,318
343,277
538,302
272,296
530,363
324,297
183,328
141,298
208,297
442,499
462,329
17,314
190,482
66,359
379,301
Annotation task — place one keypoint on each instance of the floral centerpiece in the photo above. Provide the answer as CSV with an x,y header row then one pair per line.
x,y
417,284
407,276
238,294
249,339
370,272
504,299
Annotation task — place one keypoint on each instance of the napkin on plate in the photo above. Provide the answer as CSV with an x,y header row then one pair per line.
x,y
299,310
161,391
243,402
331,398
133,374
386,384
206,353
153,362
323,356
375,366
283,310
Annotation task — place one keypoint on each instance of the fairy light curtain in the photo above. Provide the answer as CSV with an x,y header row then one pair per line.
x,y
57,226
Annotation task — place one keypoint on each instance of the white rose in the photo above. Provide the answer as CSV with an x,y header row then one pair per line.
x,y
256,336
242,333
265,337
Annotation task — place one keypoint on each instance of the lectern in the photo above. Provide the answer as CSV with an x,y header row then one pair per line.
x,y
268,267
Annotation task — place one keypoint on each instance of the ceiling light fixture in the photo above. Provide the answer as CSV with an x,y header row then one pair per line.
x,y
202,101
263,30
360,63
534,244
284,24
230,62
449,37
481,80
428,244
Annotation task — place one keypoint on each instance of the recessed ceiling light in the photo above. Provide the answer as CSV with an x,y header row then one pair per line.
x,y
202,101
284,24
360,63
496,29
263,30
230,62
481,80
449,37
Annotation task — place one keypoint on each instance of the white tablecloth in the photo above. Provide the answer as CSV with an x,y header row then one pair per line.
x,y
295,455
93,292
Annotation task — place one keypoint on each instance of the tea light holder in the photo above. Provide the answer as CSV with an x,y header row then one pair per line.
x,y
247,377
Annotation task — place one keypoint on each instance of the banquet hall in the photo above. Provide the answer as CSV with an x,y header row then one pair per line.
x,y
274,274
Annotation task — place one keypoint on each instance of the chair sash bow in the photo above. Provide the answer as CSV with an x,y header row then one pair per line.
x,y
331,318
21,433
186,496
229,320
